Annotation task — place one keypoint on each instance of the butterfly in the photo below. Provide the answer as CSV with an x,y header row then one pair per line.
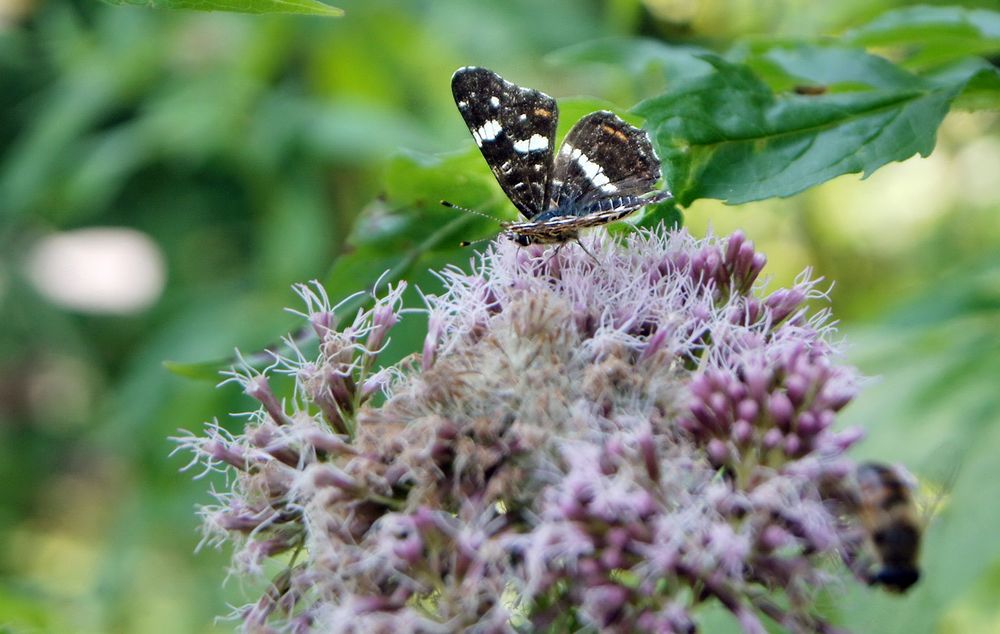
x,y
604,171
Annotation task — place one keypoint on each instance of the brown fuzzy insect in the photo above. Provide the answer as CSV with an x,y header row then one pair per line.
x,y
888,514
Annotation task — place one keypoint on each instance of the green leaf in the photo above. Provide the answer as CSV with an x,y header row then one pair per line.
x,y
848,70
666,212
837,69
982,90
728,136
932,35
306,7
395,233
650,217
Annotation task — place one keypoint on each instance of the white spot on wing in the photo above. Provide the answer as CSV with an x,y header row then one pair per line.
x,y
536,143
488,131
593,171
522,117
494,102
462,104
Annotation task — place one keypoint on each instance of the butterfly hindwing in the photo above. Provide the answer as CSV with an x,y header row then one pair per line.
x,y
515,129
602,157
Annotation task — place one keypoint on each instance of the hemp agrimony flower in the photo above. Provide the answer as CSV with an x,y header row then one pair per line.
x,y
606,440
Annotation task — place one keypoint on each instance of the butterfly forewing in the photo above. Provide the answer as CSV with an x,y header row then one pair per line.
x,y
515,130
602,157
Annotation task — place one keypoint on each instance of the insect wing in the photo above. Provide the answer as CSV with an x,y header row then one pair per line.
x,y
602,157
515,129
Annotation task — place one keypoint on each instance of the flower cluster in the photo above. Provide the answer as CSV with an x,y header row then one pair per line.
x,y
603,438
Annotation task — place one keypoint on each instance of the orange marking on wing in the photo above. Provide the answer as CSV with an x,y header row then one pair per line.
x,y
614,131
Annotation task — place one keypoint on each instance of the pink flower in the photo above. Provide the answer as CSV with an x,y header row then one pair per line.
x,y
607,441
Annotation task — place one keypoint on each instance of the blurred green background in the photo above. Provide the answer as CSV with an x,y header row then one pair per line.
x,y
165,177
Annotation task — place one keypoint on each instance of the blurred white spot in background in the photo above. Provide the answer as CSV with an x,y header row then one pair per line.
x,y
109,270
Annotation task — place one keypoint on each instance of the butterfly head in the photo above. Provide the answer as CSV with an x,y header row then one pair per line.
x,y
520,239
512,232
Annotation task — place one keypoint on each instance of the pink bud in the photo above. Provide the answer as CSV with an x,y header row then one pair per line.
x,y
781,410
718,452
742,432
748,409
772,438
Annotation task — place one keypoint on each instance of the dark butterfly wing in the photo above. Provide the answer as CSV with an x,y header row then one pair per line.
x,y
602,157
515,129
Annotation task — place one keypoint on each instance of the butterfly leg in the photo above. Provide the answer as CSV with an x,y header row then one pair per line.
x,y
585,249
554,254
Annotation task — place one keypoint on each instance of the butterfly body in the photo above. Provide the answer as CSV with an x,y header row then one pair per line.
x,y
564,223
604,170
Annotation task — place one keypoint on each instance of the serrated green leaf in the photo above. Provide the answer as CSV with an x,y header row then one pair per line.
x,y
304,7
932,35
845,69
728,136
849,70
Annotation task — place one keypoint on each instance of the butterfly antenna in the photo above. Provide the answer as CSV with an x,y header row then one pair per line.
x,y
449,205
469,243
